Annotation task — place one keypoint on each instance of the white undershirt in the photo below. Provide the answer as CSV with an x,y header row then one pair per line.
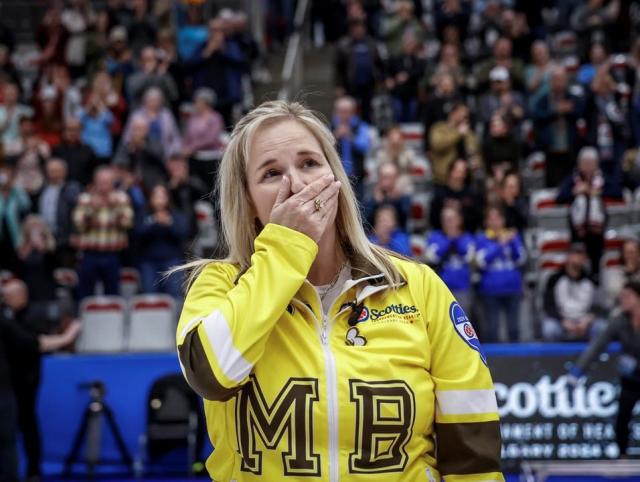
x,y
330,295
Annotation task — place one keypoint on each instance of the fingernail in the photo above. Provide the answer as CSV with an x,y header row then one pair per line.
x,y
338,183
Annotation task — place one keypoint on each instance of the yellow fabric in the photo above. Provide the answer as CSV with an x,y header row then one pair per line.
x,y
274,317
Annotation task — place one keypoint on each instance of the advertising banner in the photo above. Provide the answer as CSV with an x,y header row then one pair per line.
x,y
545,417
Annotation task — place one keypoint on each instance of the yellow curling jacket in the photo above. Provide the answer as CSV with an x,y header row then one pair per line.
x,y
404,394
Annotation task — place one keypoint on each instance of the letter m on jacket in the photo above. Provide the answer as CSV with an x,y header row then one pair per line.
x,y
290,414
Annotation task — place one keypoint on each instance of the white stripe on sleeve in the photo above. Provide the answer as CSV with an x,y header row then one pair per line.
x,y
465,402
234,366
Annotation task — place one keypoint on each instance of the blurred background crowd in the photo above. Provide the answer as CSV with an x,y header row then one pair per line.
x,y
495,140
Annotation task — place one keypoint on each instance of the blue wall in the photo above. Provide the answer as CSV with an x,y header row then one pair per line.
x,y
128,378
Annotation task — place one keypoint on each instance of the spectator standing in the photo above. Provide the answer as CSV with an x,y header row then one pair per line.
x,y
51,37
444,97
68,92
102,217
400,22
37,253
140,154
569,306
8,70
20,349
555,115
456,193
163,129
607,122
395,150
450,140
502,57
448,64
623,326
388,190
514,204
96,120
585,191
48,118
152,73
161,235
205,125
55,204
538,73
353,140
14,206
501,149
78,156
30,153
502,99
451,251
142,27
185,189
500,254
402,76
102,88
11,111
214,67
597,57
592,19
78,19
119,60
358,66
386,232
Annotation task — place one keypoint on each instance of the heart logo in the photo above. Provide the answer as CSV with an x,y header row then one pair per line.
x,y
354,338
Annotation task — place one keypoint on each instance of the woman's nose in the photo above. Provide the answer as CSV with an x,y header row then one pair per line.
x,y
297,181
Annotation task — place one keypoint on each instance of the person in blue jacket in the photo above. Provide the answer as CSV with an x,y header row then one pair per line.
x,y
386,232
161,233
499,255
451,250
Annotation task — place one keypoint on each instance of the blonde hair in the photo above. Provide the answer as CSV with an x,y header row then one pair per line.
x,y
238,219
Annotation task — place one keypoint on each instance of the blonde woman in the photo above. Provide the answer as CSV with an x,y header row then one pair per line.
x,y
322,357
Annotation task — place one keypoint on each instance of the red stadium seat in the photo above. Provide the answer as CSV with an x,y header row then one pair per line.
x,y
152,323
103,324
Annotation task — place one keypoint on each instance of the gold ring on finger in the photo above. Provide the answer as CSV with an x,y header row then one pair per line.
x,y
317,203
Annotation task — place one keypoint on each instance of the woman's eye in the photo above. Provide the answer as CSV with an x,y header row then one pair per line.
x,y
310,162
271,173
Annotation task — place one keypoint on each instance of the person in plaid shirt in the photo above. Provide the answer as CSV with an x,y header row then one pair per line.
x,y
102,218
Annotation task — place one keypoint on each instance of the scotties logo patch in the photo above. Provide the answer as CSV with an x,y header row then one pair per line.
x,y
364,315
464,328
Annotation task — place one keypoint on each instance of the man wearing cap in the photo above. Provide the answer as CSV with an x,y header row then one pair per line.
x,y
571,313
120,59
501,98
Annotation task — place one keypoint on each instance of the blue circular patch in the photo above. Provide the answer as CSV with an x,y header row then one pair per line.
x,y
464,329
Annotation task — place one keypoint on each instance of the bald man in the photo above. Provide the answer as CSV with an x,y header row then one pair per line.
x,y
20,350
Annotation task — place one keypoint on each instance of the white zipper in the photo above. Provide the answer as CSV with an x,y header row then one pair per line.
x,y
332,402
324,331
332,392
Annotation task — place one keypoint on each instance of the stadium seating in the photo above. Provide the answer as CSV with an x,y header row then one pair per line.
x,y
545,212
152,323
103,324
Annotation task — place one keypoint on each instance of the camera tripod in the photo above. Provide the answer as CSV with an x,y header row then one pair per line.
x,y
91,430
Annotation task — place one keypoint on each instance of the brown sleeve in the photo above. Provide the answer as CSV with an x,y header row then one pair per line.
x,y
198,372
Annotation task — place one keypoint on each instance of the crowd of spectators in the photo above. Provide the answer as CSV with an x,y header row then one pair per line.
x,y
494,83
112,133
